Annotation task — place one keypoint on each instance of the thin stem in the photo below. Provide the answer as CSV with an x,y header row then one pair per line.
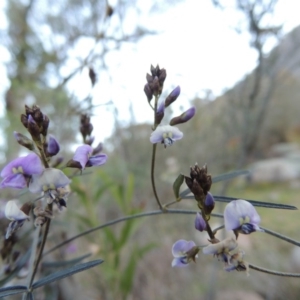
x,y
123,219
282,237
171,203
152,176
41,249
153,158
272,272
32,256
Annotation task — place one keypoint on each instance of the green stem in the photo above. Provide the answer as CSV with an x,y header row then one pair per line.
x,y
126,218
32,256
272,272
152,177
41,249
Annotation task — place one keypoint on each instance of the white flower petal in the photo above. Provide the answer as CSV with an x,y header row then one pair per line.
x,y
13,213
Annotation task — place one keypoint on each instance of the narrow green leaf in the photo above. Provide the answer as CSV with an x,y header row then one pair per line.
x,y
65,263
253,202
125,233
66,273
11,290
230,175
110,237
126,281
177,184
257,203
101,190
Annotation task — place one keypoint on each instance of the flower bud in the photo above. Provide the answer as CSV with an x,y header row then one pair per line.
x,y
200,222
52,146
184,117
24,140
209,203
173,96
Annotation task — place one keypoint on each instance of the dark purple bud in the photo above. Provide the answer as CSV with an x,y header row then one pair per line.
x,y
37,115
209,203
24,140
160,112
148,92
149,78
52,147
109,11
162,76
24,120
186,116
33,129
153,70
173,96
93,76
200,223
45,125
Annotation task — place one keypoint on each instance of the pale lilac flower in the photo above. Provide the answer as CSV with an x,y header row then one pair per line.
x,y
83,158
53,146
183,252
221,249
17,173
16,215
240,215
50,179
166,135
200,222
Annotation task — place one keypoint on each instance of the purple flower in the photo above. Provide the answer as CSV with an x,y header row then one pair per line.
x,y
200,222
166,135
50,179
183,252
17,173
241,216
53,146
16,215
83,158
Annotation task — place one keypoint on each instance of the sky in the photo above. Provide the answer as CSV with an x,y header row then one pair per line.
x,y
198,46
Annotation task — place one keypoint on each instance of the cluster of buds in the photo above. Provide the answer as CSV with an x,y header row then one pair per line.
x,y
86,129
36,122
200,183
165,134
155,82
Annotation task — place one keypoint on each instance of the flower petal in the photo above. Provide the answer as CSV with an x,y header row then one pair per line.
x,y
97,160
181,247
13,213
179,262
50,179
29,165
82,154
16,181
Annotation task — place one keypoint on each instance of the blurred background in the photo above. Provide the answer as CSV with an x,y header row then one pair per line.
x,y
236,61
